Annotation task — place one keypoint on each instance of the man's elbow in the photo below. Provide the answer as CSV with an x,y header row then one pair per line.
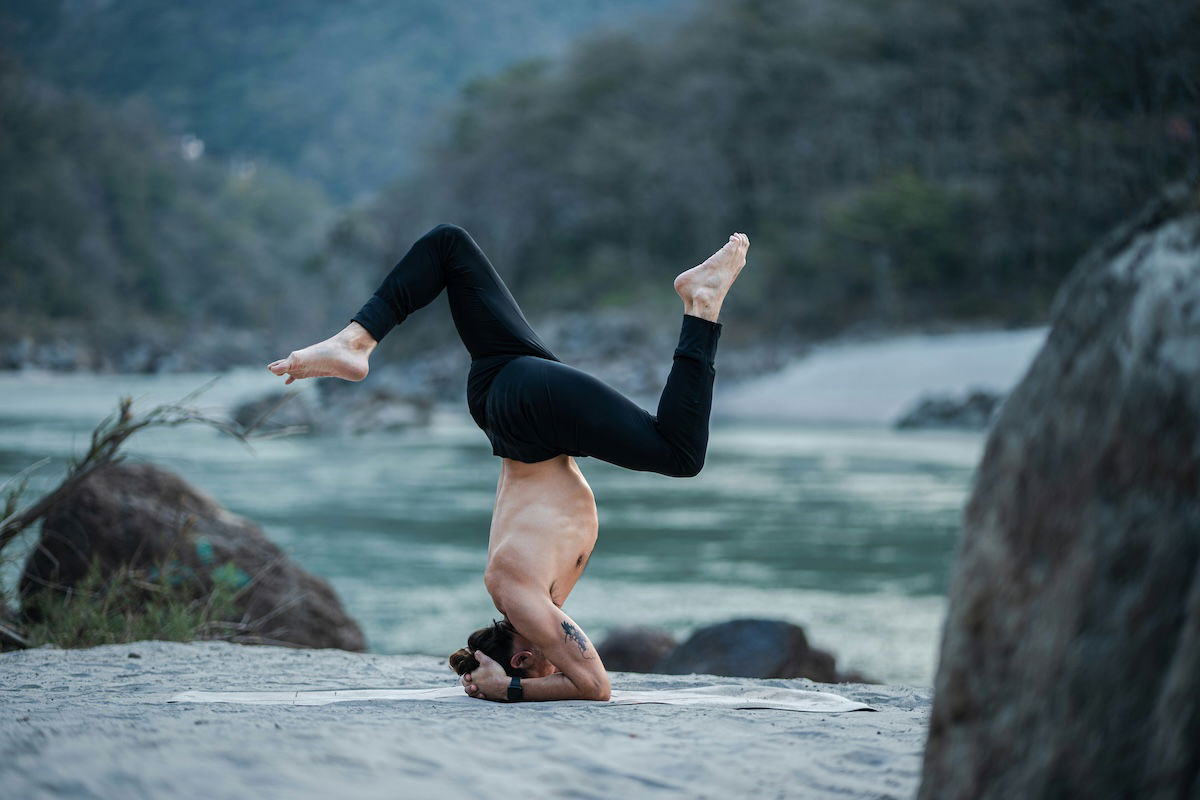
x,y
598,689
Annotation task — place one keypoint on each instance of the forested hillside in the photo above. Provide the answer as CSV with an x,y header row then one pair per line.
x,y
340,92
112,240
894,163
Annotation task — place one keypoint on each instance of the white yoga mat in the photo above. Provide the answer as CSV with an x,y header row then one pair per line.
x,y
720,696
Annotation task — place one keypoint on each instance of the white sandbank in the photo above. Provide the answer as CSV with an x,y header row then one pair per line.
x,y
873,382
96,723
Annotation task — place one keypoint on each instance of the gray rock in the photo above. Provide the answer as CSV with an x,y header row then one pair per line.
x,y
141,516
367,407
337,407
751,648
635,649
973,411
275,410
1070,664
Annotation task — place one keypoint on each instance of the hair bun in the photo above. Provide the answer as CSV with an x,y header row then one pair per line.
x,y
463,661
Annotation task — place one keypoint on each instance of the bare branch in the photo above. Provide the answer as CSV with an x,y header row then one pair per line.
x,y
106,441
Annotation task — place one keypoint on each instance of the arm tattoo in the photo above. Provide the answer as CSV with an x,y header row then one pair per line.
x,y
573,634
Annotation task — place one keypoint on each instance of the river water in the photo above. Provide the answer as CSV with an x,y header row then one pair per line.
x,y
846,529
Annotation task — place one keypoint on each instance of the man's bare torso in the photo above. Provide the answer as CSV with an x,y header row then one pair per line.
x,y
544,525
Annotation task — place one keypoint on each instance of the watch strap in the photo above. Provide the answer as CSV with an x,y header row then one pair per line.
x,y
515,692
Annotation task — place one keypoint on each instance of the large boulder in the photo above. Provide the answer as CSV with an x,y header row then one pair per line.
x,y
751,648
141,517
1070,663
635,648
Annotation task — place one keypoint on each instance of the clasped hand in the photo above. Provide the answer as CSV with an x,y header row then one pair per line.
x,y
487,682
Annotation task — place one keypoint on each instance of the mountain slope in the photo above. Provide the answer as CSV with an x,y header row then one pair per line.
x,y
338,92
893,163
109,233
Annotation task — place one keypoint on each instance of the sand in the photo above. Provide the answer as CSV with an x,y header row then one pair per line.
x,y
874,382
95,724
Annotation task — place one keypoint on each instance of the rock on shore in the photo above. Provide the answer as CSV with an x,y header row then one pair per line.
x,y
973,411
635,649
1070,665
749,648
336,409
144,517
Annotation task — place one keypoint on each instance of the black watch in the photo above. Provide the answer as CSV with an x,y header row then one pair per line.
x,y
515,693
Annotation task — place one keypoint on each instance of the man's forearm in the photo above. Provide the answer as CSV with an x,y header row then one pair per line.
x,y
559,687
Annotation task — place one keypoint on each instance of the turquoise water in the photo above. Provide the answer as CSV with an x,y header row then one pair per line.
x,y
848,531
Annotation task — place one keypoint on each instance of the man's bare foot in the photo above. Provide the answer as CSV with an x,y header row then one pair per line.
x,y
703,288
343,355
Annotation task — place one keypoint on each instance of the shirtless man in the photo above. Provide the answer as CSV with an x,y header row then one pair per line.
x,y
539,415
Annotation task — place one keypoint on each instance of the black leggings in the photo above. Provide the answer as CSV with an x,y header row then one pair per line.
x,y
532,406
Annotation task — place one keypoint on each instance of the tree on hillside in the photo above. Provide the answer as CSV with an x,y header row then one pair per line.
x,y
109,232
893,162
340,93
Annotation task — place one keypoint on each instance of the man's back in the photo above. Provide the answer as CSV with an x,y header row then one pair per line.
x,y
544,526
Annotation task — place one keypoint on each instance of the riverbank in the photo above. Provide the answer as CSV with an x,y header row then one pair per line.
x,y
762,375
847,531
96,723
873,381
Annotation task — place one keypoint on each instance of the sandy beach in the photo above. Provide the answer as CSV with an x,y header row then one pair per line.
x,y
96,723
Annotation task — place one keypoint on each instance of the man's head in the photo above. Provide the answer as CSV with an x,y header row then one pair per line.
x,y
506,647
